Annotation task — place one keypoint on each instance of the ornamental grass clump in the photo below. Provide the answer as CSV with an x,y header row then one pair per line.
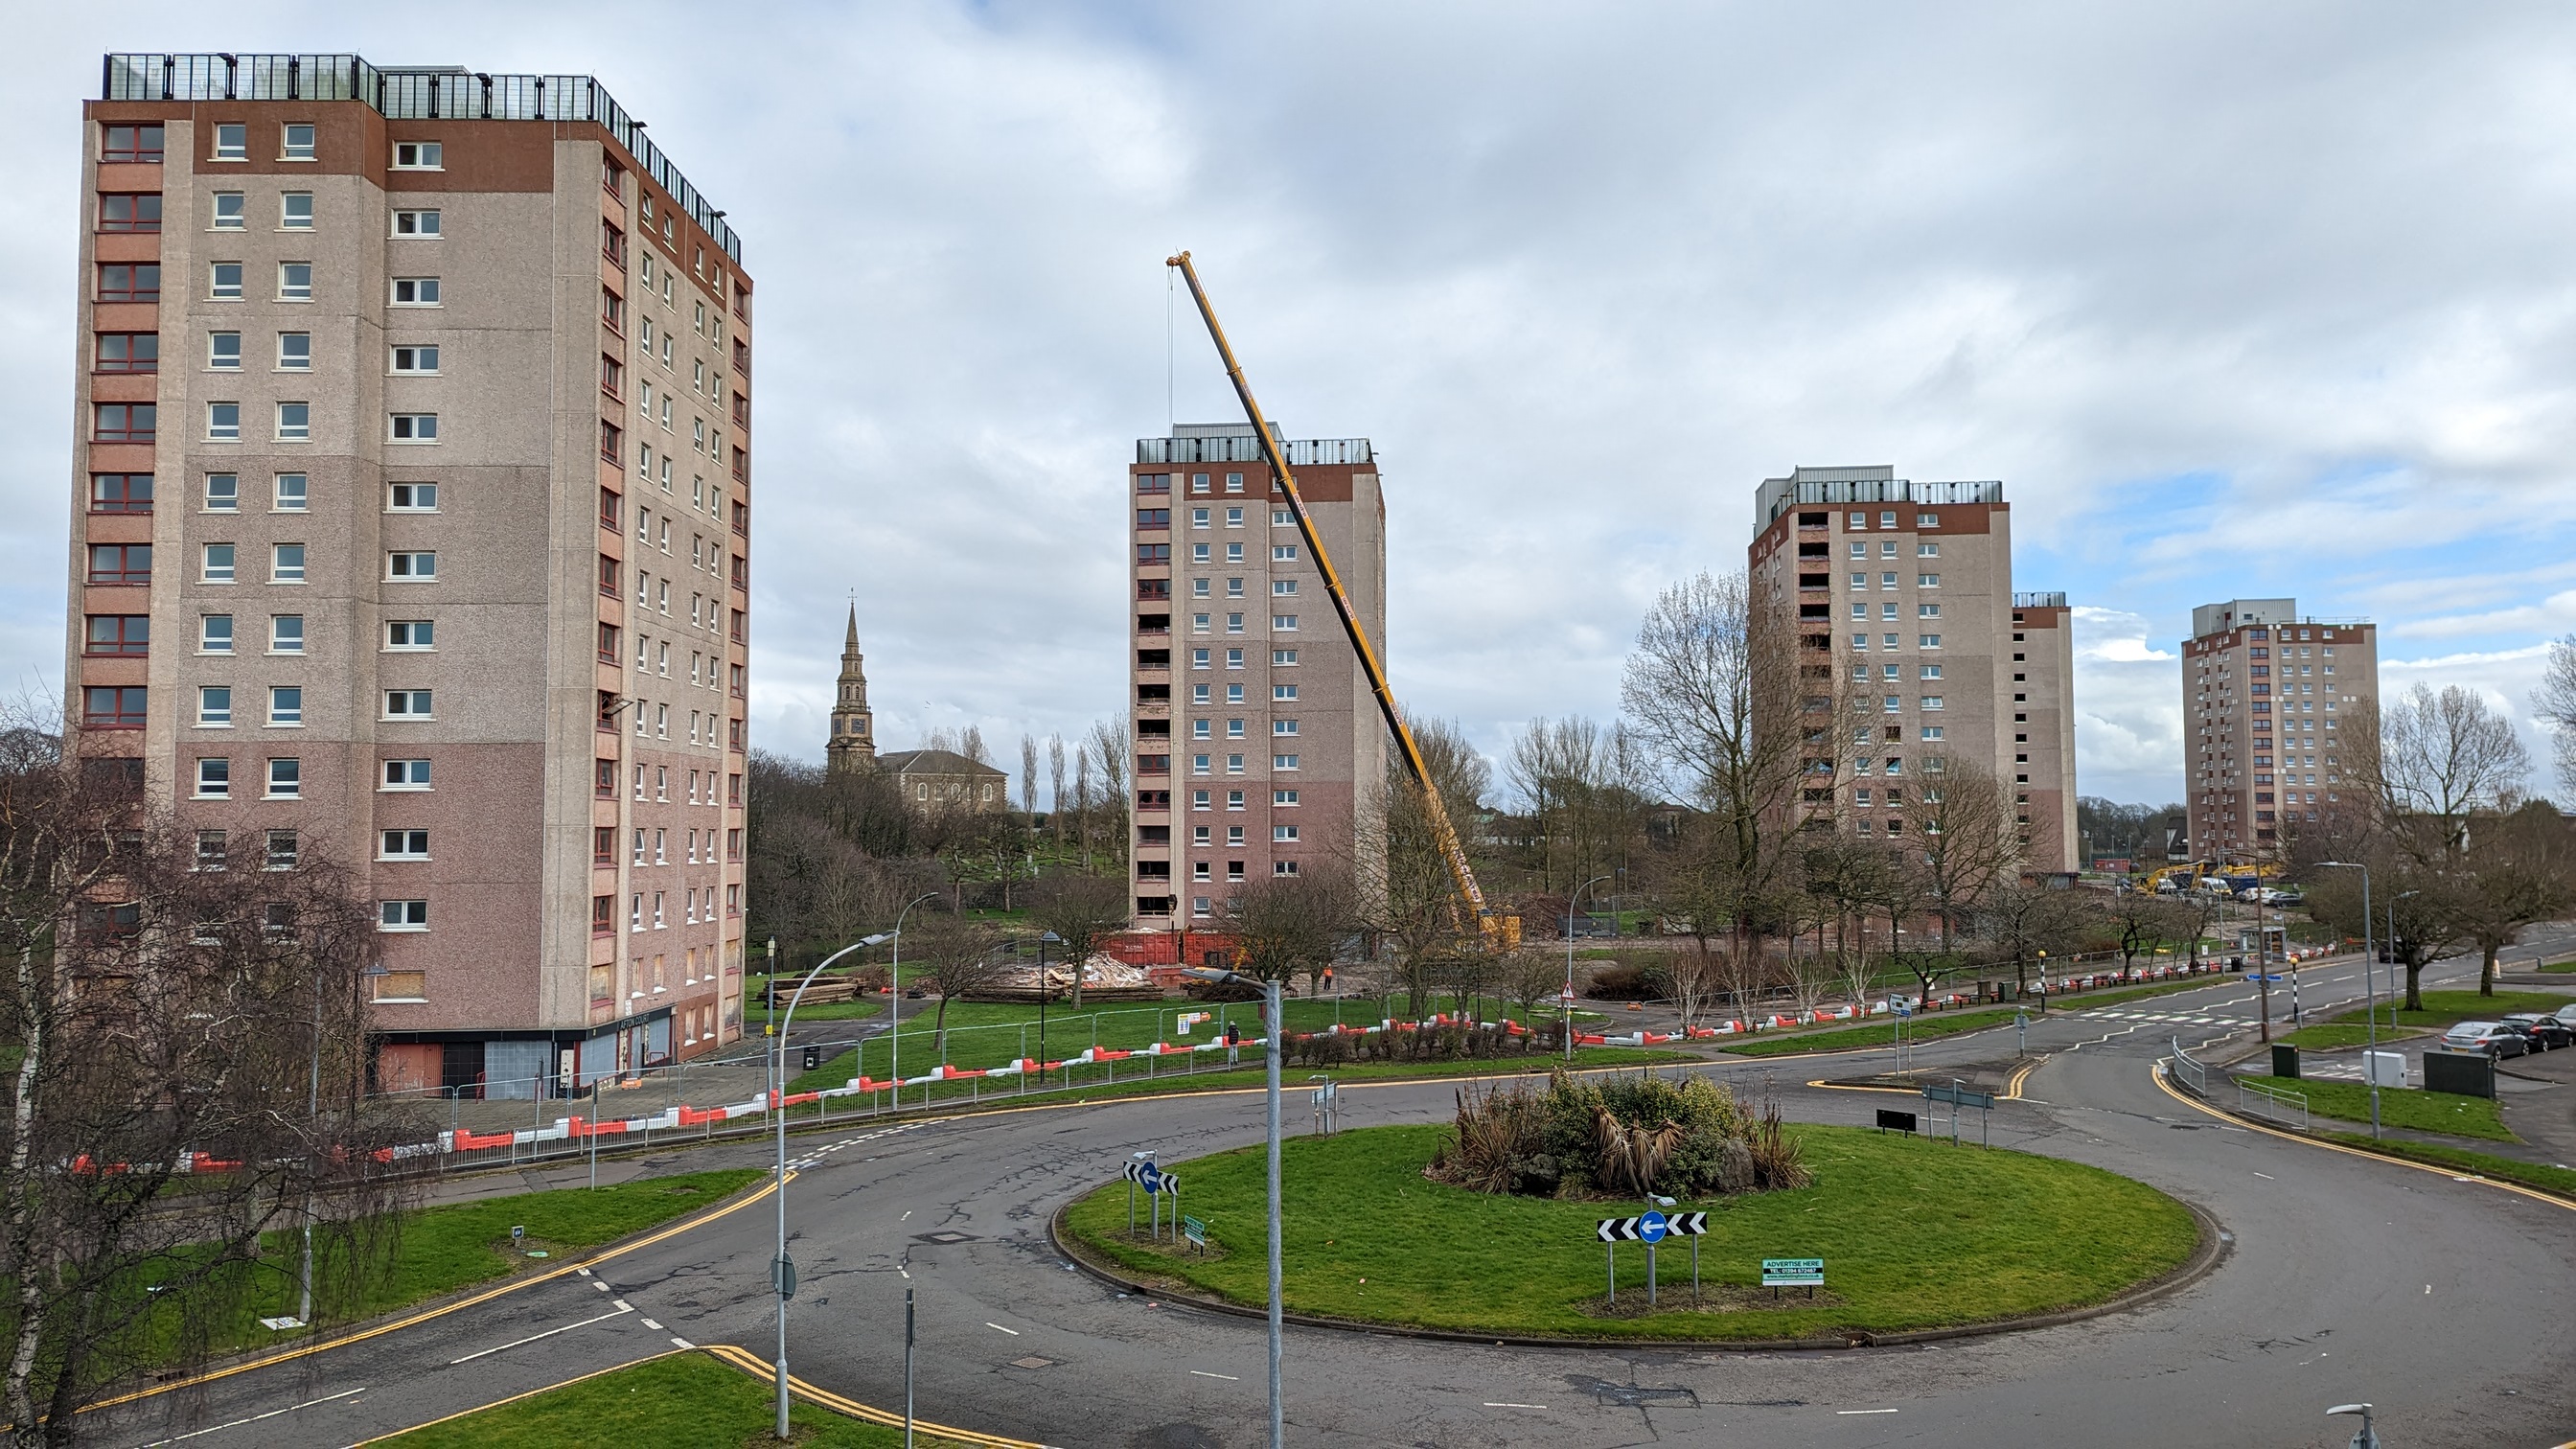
x,y
1622,1137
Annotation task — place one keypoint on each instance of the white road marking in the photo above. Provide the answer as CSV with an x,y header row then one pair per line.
x,y
1864,1411
2267,1177
623,1304
602,1287
1013,1332
682,1343
907,1214
531,1338
255,1418
649,1323
1516,1406
1229,1378
585,1272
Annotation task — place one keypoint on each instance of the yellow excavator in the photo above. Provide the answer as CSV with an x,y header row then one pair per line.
x,y
1498,931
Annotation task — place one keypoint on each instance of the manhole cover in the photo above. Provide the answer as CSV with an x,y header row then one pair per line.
x,y
943,1237
1033,1361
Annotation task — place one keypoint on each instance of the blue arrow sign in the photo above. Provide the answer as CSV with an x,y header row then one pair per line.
x,y
1651,1226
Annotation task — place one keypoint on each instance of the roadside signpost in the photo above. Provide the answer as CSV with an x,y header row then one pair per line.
x,y
1779,1273
1141,1172
1196,1232
1651,1228
1326,1099
1958,1096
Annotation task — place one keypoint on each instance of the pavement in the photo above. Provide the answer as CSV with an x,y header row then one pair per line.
x,y
2347,1277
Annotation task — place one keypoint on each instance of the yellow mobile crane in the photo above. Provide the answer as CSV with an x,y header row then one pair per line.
x,y
1498,930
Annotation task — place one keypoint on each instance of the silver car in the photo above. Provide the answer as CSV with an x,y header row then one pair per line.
x,y
2489,1038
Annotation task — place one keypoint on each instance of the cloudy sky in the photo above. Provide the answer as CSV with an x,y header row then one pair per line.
x,y
2237,301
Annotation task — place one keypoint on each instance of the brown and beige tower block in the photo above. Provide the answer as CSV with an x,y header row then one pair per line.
x,y
412,526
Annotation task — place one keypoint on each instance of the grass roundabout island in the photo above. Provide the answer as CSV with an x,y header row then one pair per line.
x,y
1916,1235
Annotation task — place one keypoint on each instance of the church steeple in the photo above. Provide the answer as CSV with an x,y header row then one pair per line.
x,y
853,745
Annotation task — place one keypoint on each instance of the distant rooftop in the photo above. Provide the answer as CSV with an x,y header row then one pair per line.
x,y
409,93
2232,614
1866,483
2049,599
1235,443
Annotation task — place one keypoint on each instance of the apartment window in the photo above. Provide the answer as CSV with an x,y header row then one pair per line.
x,y
215,564
1234,659
412,498
1281,518
1234,518
1234,553
409,774
120,493
1283,623
286,563
1198,553
129,211
1282,658
414,428
285,706
295,211
214,706
210,850
224,281
284,851
113,707
129,282
298,138
214,633
123,422
402,915
110,635
223,422
408,704
294,422
286,633
402,845
1928,641
295,281
132,143
612,443
1281,587
214,779
415,360
289,493
415,292
1283,762
612,311
1927,611
1198,517
1283,553
416,223
128,352
1927,581
416,634
419,156
1931,671
1932,701
1283,727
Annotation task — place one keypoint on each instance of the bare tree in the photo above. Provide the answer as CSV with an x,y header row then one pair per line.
x,y
187,1072
1404,887
2433,760
1696,973
1083,911
1288,923
2022,923
2143,921
1966,840
2518,870
1714,689
1029,777
1107,747
2555,702
971,745
1055,787
955,955
1532,979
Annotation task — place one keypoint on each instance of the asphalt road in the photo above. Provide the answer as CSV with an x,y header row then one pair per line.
x,y
2443,1302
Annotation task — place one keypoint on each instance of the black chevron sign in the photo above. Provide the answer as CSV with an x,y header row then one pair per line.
x,y
1630,1230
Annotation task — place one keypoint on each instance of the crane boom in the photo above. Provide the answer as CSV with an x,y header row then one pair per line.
x,y
1452,850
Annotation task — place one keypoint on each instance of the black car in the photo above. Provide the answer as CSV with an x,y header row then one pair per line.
x,y
2547,1033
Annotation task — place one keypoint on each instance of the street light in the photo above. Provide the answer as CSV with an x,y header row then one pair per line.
x,y
769,990
313,1116
1569,958
2369,997
782,1273
894,1002
2367,1438
1270,1008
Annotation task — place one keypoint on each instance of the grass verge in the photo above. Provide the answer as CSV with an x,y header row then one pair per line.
x,y
2559,1180
678,1401
2411,1108
2341,1035
2447,1008
1915,1234
1882,1033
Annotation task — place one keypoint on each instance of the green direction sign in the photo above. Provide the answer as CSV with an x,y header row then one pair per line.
x,y
1793,1272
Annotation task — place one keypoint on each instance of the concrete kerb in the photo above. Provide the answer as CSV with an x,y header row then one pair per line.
x,y
2213,1246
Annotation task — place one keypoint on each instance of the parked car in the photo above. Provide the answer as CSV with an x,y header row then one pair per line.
x,y
2566,1015
2494,1038
2547,1033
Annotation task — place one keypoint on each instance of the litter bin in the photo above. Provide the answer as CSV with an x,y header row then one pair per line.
x,y
2285,1060
813,1057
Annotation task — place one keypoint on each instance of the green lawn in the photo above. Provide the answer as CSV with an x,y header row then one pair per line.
x,y
2340,1035
2559,1180
2446,1008
2408,1107
991,1034
677,1401
1914,1233
2560,967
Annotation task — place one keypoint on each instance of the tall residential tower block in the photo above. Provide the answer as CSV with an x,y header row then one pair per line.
x,y
1258,744
1903,595
2267,698
412,527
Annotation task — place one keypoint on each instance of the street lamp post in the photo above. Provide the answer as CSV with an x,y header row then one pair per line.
x,y
2369,997
894,1002
769,1004
782,1273
1273,1023
1046,939
1569,958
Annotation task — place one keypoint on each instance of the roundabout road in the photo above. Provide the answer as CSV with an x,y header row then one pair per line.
x,y
2443,1302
